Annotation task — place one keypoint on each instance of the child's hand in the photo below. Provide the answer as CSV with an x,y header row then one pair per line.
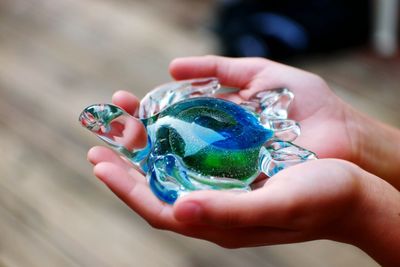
x,y
330,127
314,200
320,199
321,114
323,199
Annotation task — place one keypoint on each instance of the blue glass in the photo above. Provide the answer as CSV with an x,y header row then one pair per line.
x,y
196,140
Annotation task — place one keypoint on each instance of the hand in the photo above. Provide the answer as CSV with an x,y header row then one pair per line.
x,y
305,202
330,127
324,199
269,215
321,114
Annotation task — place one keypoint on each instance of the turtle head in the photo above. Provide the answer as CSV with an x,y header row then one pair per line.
x,y
117,128
97,118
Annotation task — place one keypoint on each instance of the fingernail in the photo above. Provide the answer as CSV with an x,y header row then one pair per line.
x,y
188,212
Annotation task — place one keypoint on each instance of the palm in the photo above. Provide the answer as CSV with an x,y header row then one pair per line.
x,y
298,204
322,115
324,129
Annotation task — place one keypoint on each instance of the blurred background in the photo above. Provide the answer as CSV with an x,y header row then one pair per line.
x,y
57,56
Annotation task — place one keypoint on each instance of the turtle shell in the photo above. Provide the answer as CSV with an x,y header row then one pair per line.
x,y
212,136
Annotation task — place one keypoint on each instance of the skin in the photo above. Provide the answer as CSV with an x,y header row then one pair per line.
x,y
345,199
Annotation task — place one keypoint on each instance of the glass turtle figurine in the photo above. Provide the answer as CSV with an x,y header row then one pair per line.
x,y
196,140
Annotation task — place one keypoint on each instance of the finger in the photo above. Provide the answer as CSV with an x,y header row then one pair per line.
x,y
127,101
134,134
231,72
99,154
224,209
233,97
287,198
261,236
130,133
250,74
136,194
263,207
242,237
267,206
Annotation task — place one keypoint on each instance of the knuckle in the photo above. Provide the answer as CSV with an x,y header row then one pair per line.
x,y
344,167
157,221
318,80
293,211
261,61
227,244
157,225
212,57
230,219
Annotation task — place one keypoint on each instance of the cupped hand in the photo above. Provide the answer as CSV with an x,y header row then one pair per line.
x,y
323,116
327,198
330,127
309,201
298,204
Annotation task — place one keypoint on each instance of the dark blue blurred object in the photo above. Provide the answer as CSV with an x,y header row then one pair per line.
x,y
282,29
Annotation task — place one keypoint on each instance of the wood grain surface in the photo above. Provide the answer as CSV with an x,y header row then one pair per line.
x,y
56,57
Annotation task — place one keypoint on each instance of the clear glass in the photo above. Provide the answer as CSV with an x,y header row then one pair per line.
x,y
196,140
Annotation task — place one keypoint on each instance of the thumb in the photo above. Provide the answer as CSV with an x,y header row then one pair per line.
x,y
226,209
285,198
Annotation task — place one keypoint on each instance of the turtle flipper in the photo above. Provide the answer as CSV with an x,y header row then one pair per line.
x,y
173,92
278,155
168,177
272,107
167,192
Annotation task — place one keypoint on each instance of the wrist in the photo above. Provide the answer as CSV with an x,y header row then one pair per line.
x,y
373,226
357,130
374,146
